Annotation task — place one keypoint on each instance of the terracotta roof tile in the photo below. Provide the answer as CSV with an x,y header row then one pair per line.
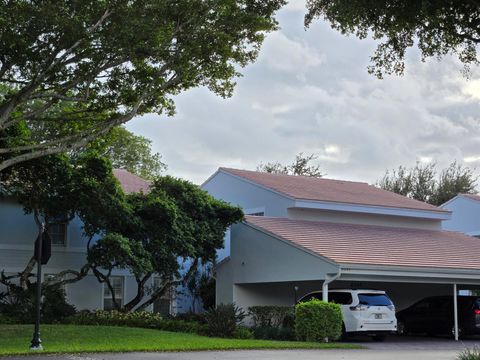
x,y
321,189
376,245
131,183
471,196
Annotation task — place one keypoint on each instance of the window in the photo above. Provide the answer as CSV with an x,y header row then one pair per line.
x,y
117,285
374,300
58,232
164,304
341,298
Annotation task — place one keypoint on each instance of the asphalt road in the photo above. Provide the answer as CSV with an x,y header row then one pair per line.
x,y
393,349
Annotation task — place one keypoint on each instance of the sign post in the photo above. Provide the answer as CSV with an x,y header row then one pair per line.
x,y
43,251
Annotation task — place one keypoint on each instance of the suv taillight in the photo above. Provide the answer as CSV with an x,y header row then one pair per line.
x,y
359,307
477,311
391,307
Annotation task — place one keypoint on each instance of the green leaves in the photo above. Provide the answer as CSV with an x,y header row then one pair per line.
x,y
437,27
88,66
424,183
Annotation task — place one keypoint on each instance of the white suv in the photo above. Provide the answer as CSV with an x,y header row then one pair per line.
x,y
366,312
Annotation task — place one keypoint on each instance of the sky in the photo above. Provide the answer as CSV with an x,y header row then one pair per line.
x,y
309,91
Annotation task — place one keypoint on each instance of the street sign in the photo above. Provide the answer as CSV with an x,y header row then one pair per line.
x,y
46,248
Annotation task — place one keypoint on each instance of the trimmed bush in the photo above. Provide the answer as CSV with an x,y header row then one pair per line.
x,y
271,316
19,304
271,333
223,320
243,332
141,319
316,320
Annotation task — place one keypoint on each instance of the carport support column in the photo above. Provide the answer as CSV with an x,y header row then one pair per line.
x,y
325,291
455,311
328,279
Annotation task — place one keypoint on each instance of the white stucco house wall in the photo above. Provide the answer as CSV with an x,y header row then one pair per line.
x,y
465,209
17,235
303,234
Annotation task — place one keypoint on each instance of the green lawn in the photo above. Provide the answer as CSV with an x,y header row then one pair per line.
x,y
15,339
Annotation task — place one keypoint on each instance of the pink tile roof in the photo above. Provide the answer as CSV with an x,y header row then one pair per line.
x,y
376,245
131,183
321,189
471,196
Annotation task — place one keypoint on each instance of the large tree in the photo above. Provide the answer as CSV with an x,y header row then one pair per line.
x,y
427,184
89,66
175,220
302,165
437,28
59,188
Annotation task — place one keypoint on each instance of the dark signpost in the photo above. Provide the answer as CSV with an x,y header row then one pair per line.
x,y
43,251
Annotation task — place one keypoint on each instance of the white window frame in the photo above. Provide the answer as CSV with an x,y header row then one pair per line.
x,y
65,235
109,294
172,293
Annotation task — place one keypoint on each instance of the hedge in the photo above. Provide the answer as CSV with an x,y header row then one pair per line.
x,y
271,316
141,319
316,320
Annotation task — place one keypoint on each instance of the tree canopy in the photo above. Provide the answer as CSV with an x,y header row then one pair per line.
x,y
437,28
70,71
427,184
302,165
131,152
175,220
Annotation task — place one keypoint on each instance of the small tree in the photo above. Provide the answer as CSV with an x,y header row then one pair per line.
x,y
300,166
424,183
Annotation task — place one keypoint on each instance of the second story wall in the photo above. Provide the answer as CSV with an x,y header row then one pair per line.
x,y
465,215
251,197
361,218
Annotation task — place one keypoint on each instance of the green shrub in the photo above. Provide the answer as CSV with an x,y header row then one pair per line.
x,y
223,320
19,304
271,333
243,332
316,320
191,316
141,319
469,354
271,316
5,320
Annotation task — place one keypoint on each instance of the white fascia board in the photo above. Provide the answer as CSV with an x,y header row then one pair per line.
x,y
404,271
372,209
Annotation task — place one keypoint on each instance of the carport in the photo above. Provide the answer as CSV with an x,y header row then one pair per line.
x,y
276,260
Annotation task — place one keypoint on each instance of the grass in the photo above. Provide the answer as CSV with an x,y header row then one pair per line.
x,y
15,339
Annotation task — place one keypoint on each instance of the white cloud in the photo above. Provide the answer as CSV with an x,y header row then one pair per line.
x,y
285,54
310,92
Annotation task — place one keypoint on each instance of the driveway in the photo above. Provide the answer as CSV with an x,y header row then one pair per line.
x,y
395,348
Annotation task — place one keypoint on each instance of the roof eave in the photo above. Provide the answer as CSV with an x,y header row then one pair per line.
x,y
373,209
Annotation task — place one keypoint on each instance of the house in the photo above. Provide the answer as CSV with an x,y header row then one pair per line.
x,y
303,234
465,209
17,235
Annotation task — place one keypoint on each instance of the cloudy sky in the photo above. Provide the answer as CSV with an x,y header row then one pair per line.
x,y
310,92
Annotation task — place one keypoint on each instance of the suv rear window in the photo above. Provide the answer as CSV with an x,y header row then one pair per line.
x,y
374,299
341,298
